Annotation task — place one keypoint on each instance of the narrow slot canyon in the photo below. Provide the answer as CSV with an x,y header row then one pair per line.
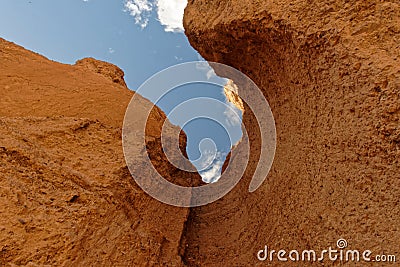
x,y
330,72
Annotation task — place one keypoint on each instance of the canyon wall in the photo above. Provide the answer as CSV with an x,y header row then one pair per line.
x,y
67,197
331,73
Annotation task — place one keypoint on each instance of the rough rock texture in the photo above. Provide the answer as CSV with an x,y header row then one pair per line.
x,y
103,68
331,73
67,197
231,94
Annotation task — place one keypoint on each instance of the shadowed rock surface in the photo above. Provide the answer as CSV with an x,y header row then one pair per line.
x,y
331,73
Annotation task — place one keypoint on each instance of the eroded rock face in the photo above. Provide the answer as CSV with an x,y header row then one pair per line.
x,y
67,197
331,73
106,69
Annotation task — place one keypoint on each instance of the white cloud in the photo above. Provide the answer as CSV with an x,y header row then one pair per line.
x,y
140,10
232,115
206,68
169,12
111,50
178,58
213,172
207,159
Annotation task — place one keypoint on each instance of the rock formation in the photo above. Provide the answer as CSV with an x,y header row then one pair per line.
x,y
67,197
331,73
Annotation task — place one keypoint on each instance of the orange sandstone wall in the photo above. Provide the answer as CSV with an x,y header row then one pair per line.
x,y
66,195
331,73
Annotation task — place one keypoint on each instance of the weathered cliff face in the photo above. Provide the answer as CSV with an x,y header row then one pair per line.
x,y
331,73
104,68
67,197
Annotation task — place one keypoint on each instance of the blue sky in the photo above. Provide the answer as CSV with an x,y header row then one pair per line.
x,y
142,37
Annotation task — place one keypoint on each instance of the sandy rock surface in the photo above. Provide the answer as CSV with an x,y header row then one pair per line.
x,y
67,197
331,73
